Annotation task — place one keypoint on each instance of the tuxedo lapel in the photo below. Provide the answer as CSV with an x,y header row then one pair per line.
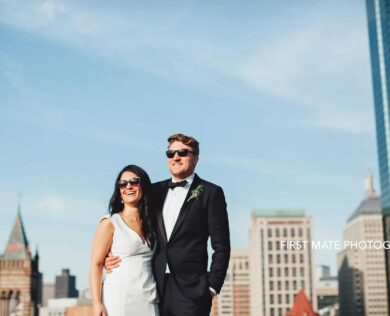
x,y
160,217
185,207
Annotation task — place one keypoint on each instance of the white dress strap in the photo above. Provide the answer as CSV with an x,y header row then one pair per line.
x,y
109,217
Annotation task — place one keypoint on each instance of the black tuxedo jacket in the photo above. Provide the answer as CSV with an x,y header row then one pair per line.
x,y
186,251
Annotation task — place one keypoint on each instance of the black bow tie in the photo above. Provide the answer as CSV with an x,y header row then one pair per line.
x,y
173,185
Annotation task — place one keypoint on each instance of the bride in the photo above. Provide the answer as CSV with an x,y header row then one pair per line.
x,y
127,232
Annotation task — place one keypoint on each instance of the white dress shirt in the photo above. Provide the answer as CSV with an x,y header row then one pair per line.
x,y
172,206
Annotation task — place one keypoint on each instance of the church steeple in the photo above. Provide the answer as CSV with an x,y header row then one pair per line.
x,y
17,246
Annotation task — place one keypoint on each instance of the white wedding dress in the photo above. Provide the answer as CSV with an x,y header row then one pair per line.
x,y
130,289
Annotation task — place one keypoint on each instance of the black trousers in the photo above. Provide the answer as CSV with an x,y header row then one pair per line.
x,y
174,303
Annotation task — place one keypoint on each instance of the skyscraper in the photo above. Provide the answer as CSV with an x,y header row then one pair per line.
x,y
277,272
362,287
65,286
378,16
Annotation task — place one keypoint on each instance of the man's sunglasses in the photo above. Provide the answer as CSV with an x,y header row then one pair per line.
x,y
180,152
133,182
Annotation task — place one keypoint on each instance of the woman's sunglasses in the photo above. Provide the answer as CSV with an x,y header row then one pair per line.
x,y
134,182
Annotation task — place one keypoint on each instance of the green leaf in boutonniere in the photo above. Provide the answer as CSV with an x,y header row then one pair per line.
x,y
195,192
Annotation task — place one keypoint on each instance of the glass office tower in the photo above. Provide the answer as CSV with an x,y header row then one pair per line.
x,y
378,14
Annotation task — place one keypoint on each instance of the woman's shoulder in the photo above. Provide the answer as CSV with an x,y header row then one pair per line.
x,y
108,218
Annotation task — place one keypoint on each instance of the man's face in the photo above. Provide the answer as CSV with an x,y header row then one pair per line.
x,y
181,167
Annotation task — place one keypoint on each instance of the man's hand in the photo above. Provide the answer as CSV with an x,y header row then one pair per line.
x,y
111,262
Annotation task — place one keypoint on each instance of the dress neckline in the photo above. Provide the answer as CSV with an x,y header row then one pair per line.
x,y
131,229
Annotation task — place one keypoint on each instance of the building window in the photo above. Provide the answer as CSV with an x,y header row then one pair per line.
x,y
271,285
279,286
286,285
277,232
279,272
292,232
270,259
270,272
286,258
278,258
294,271
269,232
270,245
271,299
286,272
293,258
302,272
301,259
300,232
284,232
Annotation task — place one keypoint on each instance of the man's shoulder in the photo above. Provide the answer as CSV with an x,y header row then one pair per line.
x,y
159,184
209,185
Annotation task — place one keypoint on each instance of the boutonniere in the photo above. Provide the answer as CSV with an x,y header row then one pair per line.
x,y
195,192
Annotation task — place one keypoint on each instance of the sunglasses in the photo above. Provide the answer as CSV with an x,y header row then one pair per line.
x,y
133,182
180,152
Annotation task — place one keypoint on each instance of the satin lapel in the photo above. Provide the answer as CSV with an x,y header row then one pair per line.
x,y
160,218
185,207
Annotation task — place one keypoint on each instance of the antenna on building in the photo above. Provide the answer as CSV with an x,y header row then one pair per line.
x,y
19,202
369,184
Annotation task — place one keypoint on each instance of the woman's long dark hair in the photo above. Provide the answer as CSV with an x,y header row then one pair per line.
x,y
144,206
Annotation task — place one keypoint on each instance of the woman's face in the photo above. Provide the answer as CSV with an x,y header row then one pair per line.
x,y
129,186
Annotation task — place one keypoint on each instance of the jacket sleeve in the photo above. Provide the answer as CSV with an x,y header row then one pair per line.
x,y
220,239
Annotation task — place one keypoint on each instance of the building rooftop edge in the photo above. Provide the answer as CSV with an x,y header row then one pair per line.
x,y
278,212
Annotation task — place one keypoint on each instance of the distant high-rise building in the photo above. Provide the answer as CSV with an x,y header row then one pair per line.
x,y
65,286
362,285
20,279
327,288
233,300
378,16
278,270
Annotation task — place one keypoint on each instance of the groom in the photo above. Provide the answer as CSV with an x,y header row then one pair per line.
x,y
189,211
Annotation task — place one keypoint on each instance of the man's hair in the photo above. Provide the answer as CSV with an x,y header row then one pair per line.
x,y
186,140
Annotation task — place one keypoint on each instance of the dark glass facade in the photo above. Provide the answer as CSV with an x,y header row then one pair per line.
x,y
378,16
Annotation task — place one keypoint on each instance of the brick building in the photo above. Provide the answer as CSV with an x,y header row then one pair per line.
x,y
20,279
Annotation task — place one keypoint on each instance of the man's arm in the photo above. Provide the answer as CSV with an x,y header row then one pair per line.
x,y
220,239
111,262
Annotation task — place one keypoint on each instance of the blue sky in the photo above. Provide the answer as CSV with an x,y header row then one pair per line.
x,y
278,94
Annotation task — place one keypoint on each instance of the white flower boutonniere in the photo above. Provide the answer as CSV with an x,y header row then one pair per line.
x,y
195,192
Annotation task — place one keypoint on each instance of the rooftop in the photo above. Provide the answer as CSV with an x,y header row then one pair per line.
x,y
278,213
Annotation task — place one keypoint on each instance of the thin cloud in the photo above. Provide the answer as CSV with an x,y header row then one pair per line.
x,y
310,68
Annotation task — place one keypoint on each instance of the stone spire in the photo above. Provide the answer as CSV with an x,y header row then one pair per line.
x,y
17,246
369,184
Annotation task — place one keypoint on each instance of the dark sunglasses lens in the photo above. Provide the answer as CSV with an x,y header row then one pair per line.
x,y
182,152
170,153
135,181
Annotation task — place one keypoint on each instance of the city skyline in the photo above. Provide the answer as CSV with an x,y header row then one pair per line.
x,y
279,97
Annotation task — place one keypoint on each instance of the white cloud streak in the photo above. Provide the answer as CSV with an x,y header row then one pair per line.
x,y
320,69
